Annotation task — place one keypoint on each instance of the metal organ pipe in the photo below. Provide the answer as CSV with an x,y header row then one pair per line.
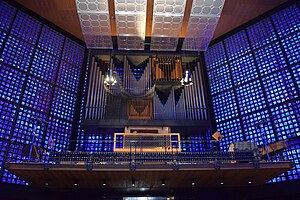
x,y
202,93
88,103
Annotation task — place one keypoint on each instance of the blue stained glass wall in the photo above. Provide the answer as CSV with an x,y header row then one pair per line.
x,y
259,91
40,71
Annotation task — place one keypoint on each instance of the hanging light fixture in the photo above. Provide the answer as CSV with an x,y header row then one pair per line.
x,y
187,77
109,79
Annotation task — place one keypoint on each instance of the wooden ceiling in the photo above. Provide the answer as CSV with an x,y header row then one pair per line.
x,y
63,13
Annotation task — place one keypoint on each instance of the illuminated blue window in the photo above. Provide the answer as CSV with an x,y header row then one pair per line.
x,y
11,178
61,131
261,33
44,66
270,58
243,69
219,79
51,41
279,87
285,121
287,21
94,143
291,47
296,72
26,28
17,53
257,124
2,37
293,153
63,105
7,13
3,146
224,106
232,132
73,53
215,56
7,114
15,154
27,124
250,97
37,94
11,83
68,77
237,45
281,177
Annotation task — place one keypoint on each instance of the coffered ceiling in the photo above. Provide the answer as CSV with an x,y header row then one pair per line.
x,y
160,24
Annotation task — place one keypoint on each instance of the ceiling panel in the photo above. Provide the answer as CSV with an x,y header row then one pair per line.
x,y
203,21
130,18
166,25
63,13
95,23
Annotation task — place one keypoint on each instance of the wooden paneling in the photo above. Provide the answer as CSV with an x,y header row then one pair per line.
x,y
238,12
235,13
119,177
63,13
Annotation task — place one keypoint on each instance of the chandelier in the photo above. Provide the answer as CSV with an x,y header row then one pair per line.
x,y
109,79
187,78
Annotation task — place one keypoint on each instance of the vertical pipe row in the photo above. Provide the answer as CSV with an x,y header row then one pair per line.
x,y
202,93
96,92
88,104
93,90
197,95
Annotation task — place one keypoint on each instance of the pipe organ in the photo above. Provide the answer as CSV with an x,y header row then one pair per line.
x,y
156,95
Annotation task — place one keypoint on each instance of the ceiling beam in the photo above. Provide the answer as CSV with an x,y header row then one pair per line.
x,y
149,18
186,17
112,17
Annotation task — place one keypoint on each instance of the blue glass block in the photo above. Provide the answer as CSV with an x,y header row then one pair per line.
x,y
3,146
287,21
11,178
285,121
95,143
237,45
256,125
61,132
250,97
7,13
7,115
291,46
225,106
281,177
270,58
296,72
44,66
63,104
2,37
279,87
215,56
11,83
73,53
27,125
15,154
68,77
243,69
17,53
232,132
51,41
37,94
26,28
293,153
80,139
261,33
219,79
